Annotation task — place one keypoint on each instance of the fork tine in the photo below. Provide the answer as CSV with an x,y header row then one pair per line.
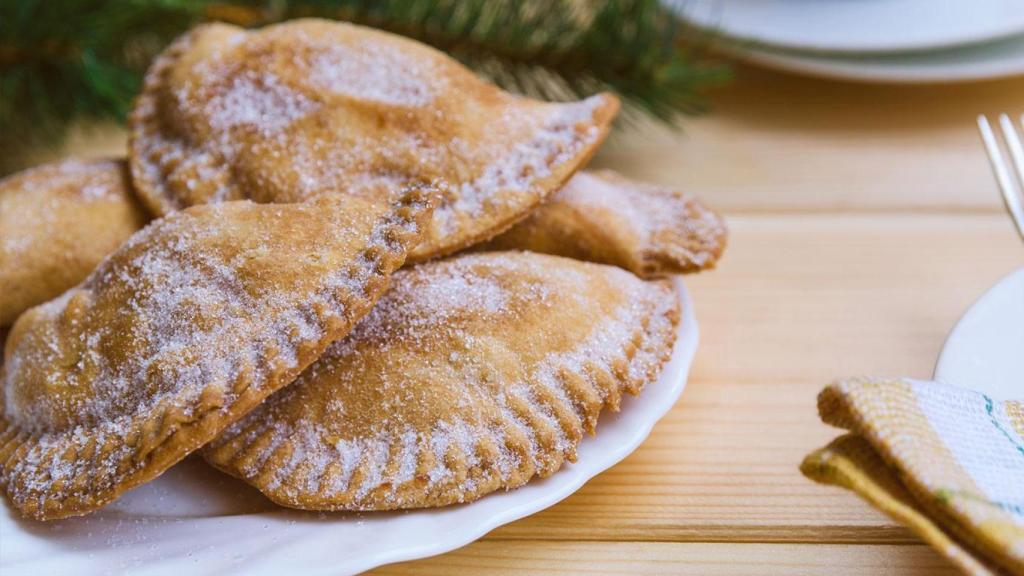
x,y
1014,145
1011,197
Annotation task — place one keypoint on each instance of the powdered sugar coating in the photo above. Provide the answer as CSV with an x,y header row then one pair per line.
x,y
555,141
254,101
185,328
377,74
57,222
298,109
603,217
659,216
82,180
470,375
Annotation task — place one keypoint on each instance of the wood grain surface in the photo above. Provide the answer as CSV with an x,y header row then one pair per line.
x,y
864,220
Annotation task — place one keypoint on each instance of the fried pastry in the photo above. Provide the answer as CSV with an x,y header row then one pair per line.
x,y
602,217
187,326
471,375
293,110
56,223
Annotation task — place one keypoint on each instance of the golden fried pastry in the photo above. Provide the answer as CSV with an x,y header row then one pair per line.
x,y
603,217
290,111
56,223
186,327
470,375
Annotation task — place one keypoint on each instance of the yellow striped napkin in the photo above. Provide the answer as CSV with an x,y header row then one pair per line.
x,y
945,461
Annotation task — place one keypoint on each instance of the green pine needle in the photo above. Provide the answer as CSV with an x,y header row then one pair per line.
x,y
63,60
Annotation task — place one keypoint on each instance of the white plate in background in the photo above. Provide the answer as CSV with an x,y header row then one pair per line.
x,y
1000,59
985,350
858,26
196,521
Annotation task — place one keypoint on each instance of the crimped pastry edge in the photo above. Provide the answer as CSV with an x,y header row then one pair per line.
x,y
145,124
641,362
168,433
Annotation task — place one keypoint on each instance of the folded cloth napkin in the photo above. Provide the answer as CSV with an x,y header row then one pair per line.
x,y
945,461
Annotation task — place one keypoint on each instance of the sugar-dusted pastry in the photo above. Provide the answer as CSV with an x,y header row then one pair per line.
x,y
187,326
471,375
293,110
602,217
56,223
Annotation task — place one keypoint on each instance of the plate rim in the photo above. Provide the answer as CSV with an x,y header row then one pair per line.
x,y
948,353
862,69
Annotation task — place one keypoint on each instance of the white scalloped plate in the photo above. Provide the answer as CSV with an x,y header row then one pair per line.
x,y
194,520
985,350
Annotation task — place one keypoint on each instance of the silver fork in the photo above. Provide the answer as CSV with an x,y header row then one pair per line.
x,y
1012,189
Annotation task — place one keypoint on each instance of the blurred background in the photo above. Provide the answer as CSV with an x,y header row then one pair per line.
x,y
839,138
696,76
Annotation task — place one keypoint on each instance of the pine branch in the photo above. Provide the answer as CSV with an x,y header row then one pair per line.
x,y
559,50
73,59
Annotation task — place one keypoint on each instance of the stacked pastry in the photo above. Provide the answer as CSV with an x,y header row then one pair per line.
x,y
372,281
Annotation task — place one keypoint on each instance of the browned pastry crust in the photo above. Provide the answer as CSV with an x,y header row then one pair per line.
x,y
56,223
602,217
471,375
294,110
186,327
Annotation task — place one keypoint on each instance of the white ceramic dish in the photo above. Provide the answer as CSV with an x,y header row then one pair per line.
x,y
194,520
1000,59
858,26
985,351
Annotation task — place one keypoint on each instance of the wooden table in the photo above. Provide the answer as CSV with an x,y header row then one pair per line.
x,y
864,221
